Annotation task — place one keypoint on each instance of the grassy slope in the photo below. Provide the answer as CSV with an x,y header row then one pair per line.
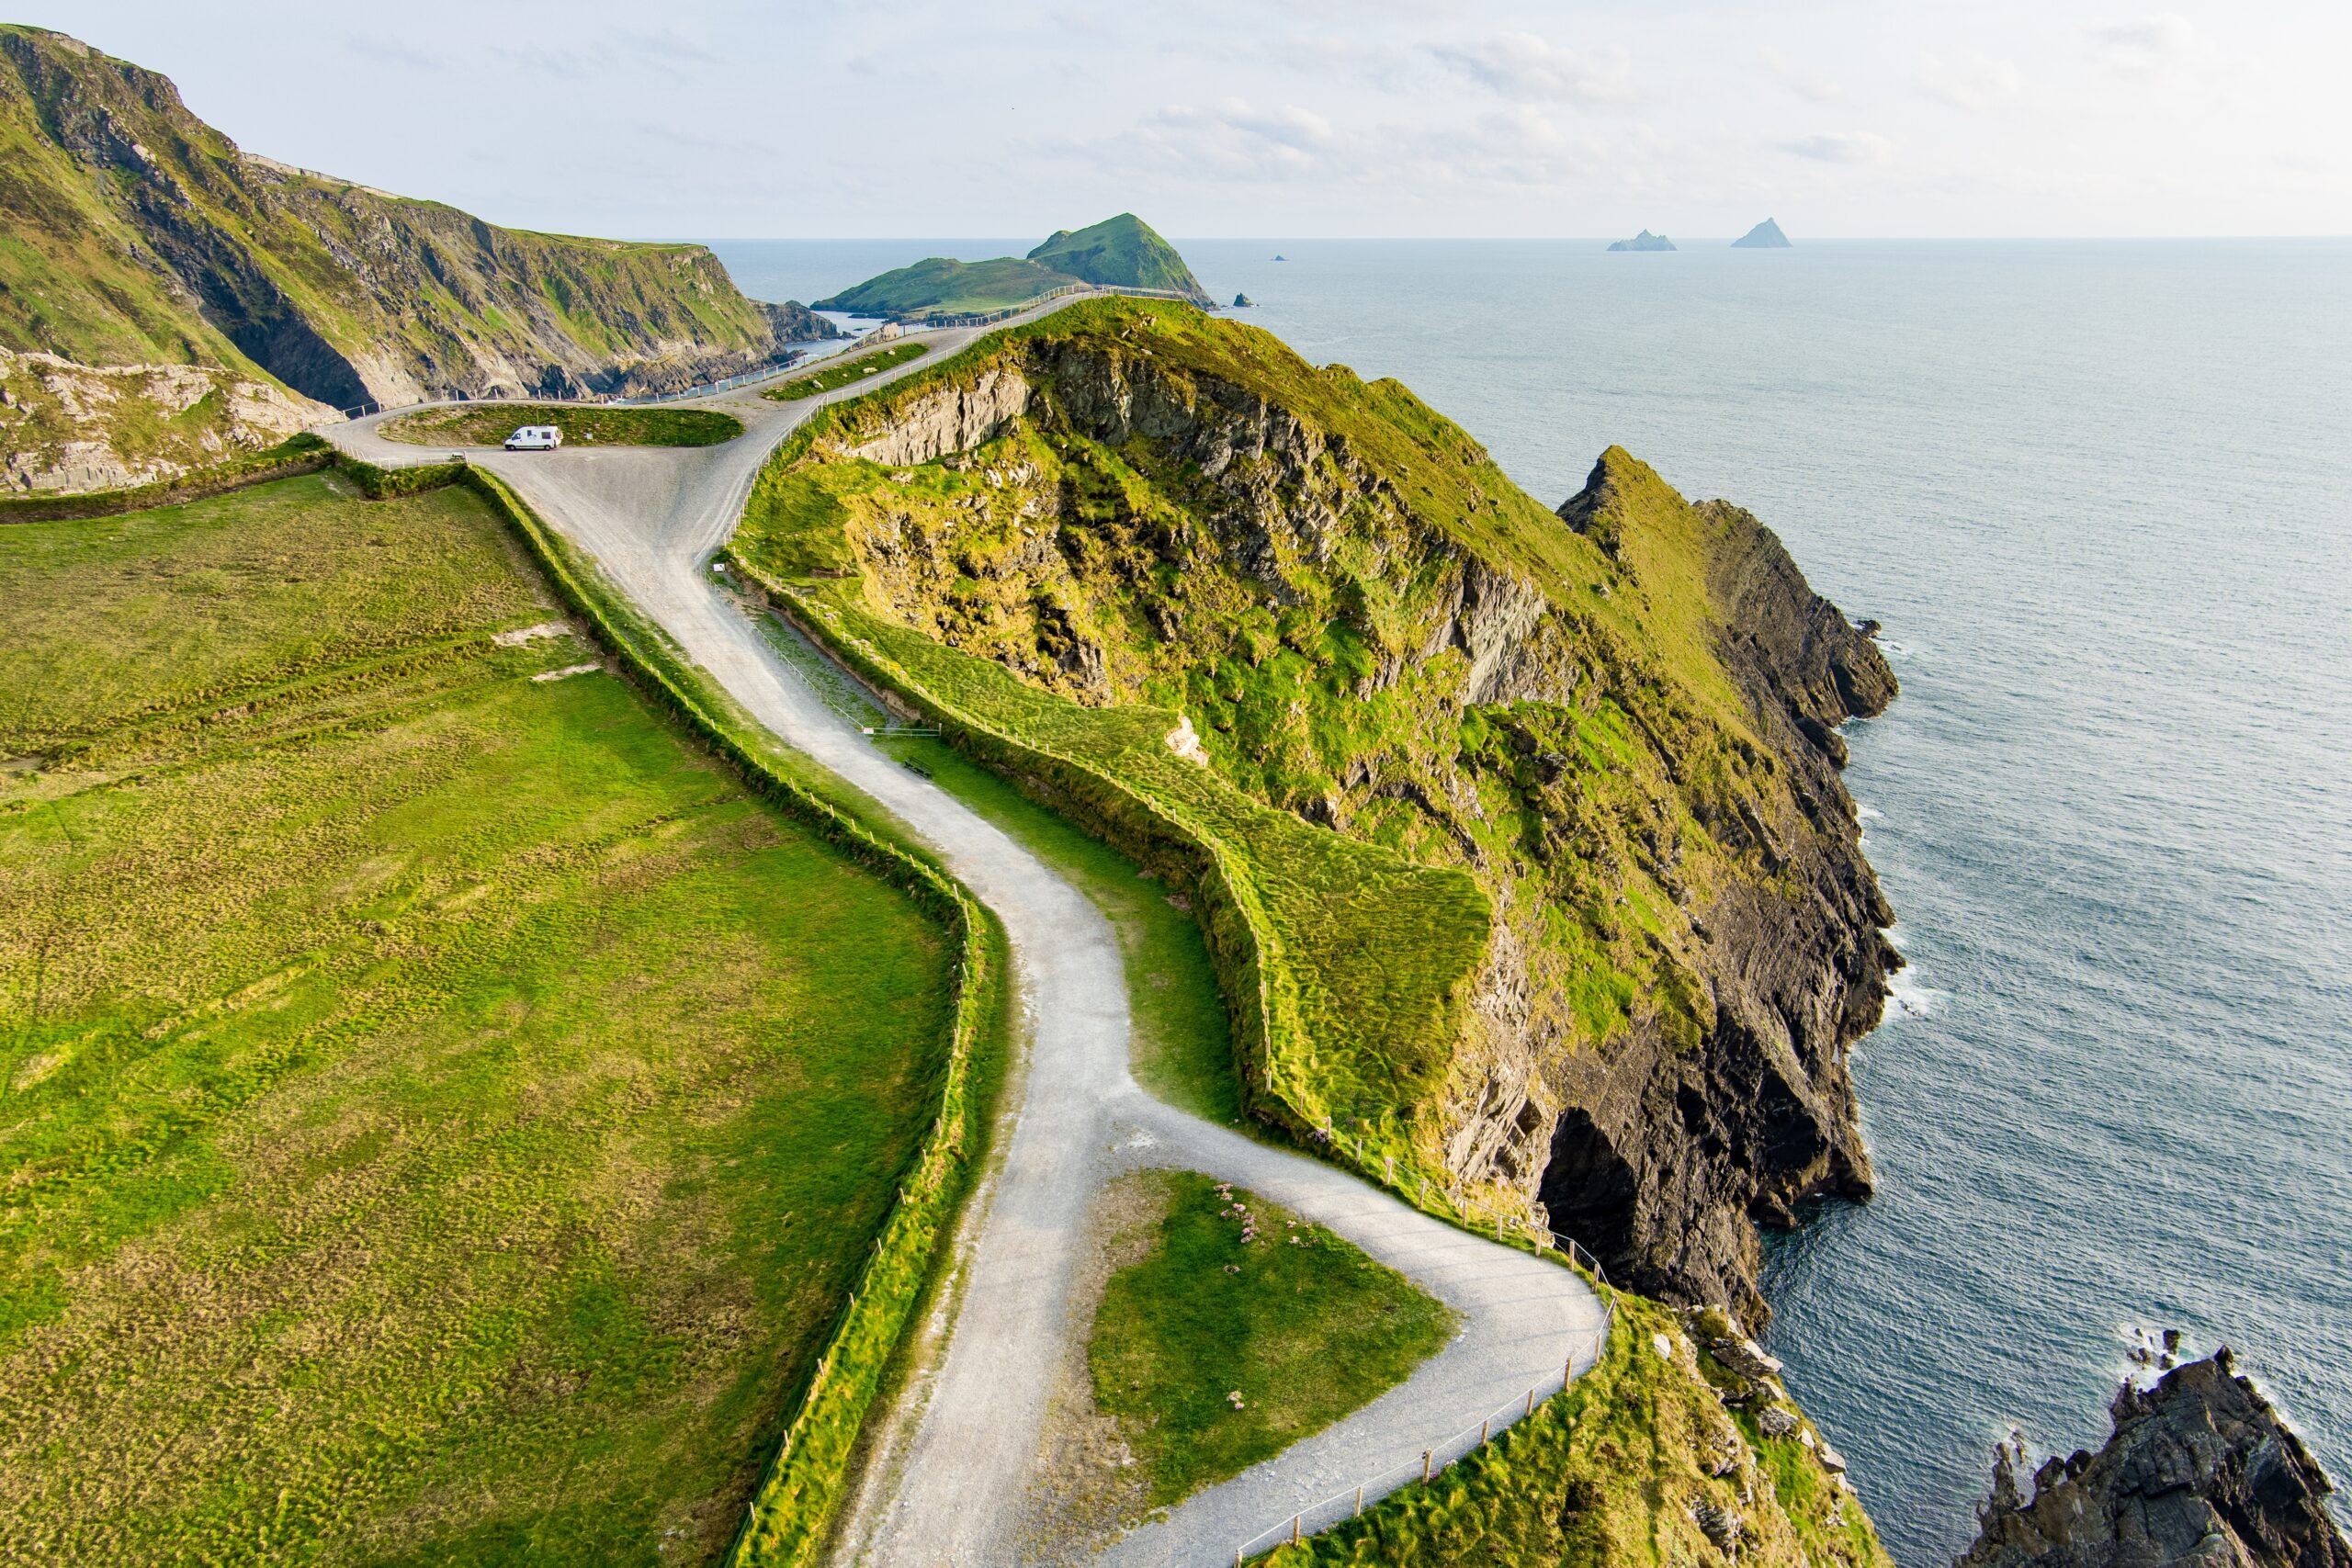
x,y
82,274
1297,1323
1123,250
940,285
592,424
1608,1475
385,1185
834,377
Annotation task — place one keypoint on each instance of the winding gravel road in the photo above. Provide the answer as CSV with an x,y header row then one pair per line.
x,y
953,1490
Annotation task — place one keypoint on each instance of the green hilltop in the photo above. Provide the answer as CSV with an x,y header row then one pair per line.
x,y
1121,253
137,234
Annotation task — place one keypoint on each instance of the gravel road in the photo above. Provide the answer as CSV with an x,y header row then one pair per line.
x,y
952,1490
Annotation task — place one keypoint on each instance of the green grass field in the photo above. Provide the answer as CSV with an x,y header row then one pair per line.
x,y
1244,1329
444,1112
591,424
834,377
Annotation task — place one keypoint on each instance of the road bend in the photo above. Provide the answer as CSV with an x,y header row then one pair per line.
x,y
953,1488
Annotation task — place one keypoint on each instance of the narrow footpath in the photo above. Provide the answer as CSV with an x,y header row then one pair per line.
x,y
953,1491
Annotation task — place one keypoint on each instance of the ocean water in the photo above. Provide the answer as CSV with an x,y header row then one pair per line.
x,y
2100,494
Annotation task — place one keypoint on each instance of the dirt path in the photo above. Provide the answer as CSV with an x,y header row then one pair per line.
x,y
952,1492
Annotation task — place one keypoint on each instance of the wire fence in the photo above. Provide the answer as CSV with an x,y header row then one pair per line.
x,y
1350,1502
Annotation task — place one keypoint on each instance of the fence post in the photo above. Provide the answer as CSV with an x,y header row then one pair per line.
x,y
1489,1421
1359,1502
1294,1519
1531,1402
1425,1467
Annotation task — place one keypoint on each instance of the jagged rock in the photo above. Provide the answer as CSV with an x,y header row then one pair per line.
x,y
1719,1524
2200,1472
1243,302
1743,1356
1776,1421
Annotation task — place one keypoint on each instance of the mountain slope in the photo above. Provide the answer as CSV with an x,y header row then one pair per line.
x,y
137,234
1118,252
1560,892
1122,252
942,286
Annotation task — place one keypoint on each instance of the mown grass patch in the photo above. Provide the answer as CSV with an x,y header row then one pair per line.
x,y
833,377
1244,1329
445,1111
594,424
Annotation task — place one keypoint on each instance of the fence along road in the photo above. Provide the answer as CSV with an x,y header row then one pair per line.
x,y
959,1452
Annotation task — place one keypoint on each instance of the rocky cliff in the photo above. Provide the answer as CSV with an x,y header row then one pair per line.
x,y
1620,720
2200,1472
1662,1153
140,236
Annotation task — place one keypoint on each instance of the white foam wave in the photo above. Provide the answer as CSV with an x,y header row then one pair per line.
x,y
1909,997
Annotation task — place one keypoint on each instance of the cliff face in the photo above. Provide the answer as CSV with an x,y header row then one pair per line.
x,y
141,236
68,427
1664,1154
2200,1471
1619,721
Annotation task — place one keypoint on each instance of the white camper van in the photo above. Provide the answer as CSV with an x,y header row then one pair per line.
x,y
535,438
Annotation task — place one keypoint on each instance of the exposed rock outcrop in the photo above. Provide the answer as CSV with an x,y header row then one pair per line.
x,y
2200,1472
73,427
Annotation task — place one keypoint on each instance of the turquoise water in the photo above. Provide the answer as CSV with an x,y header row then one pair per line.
x,y
2100,494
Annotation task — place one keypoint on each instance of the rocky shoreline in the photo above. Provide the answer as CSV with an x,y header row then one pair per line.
x,y
2200,1472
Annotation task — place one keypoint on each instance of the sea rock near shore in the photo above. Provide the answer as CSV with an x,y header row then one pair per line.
x,y
2200,1472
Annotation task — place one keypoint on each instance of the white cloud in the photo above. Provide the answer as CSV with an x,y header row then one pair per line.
x,y
2150,47
1860,146
1970,82
1522,66
1813,88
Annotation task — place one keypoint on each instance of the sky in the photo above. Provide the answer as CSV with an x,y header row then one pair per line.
x,y
1307,119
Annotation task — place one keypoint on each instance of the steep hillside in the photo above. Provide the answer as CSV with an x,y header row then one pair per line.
x,y
1122,251
1538,816
138,235
944,286
1118,252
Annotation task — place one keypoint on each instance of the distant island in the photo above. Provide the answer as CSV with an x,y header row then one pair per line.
x,y
1644,241
1765,236
1122,251
1243,302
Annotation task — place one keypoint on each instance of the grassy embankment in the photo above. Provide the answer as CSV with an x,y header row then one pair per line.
x,y
833,377
489,423
438,1126
1179,1044
1613,1473
1242,1330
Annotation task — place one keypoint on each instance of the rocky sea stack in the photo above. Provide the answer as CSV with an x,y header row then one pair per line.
x,y
1765,236
2201,1472
1644,241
